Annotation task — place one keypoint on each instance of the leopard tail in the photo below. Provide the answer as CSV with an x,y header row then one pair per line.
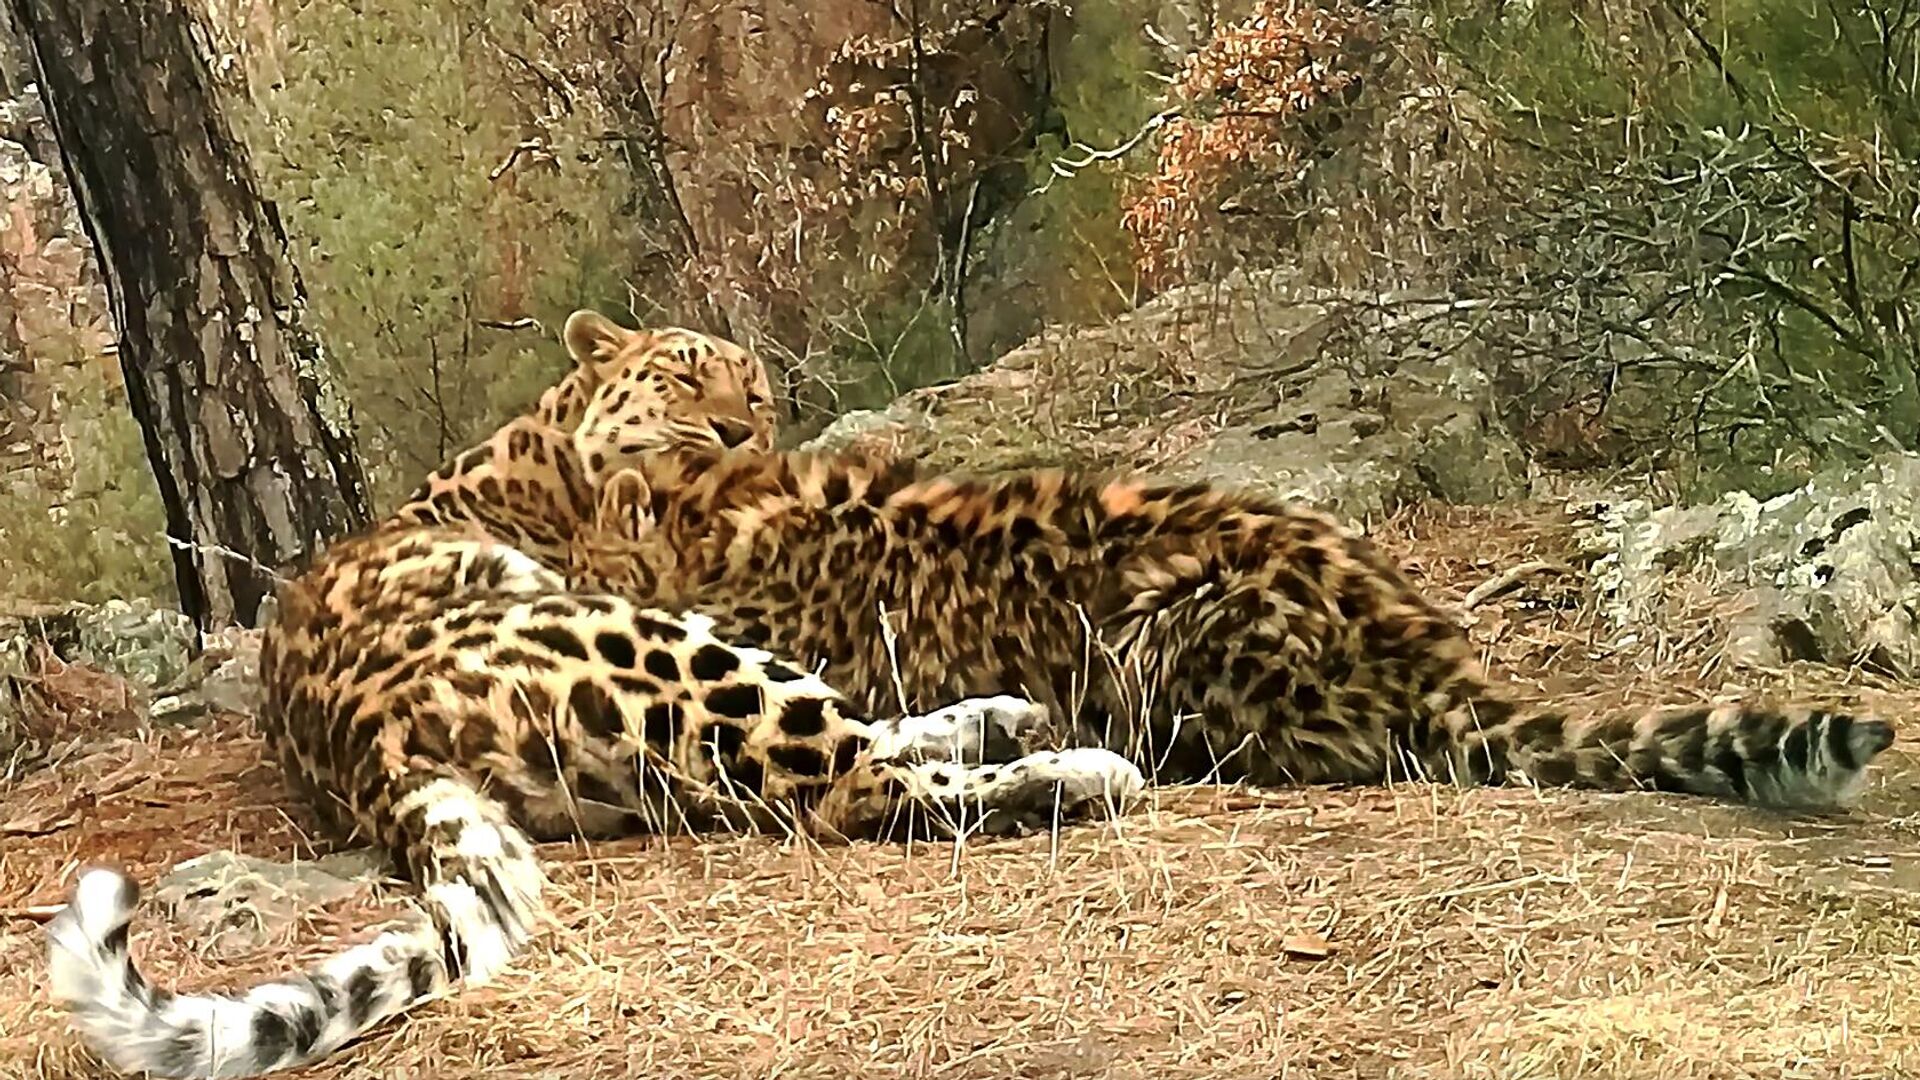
x,y
480,906
1786,758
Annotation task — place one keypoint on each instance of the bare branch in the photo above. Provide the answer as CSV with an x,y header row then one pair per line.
x,y
1065,167
534,146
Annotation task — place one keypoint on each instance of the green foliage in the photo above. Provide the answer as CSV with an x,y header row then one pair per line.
x,y
390,143
1101,83
884,349
1086,271
1060,255
105,536
1719,200
1578,59
1105,91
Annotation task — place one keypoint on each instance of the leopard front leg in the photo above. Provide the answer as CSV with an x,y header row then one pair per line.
x,y
1035,793
665,721
976,731
963,769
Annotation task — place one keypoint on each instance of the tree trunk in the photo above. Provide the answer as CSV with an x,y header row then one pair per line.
x,y
251,449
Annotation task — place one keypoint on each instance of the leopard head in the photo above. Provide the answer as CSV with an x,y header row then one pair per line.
x,y
636,392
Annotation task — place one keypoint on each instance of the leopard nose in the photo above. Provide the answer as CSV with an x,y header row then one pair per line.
x,y
732,432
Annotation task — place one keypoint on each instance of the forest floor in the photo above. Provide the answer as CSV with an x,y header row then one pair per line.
x,y
1410,931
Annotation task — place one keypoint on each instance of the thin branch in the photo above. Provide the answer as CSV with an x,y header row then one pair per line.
x,y
1508,578
1066,168
534,146
1799,298
525,322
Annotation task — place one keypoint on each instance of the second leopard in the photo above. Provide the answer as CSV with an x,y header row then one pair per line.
x,y
1206,633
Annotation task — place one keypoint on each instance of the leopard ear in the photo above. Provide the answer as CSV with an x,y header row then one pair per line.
x,y
592,337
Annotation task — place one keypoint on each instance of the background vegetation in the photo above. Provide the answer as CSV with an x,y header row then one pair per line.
x,y
1680,235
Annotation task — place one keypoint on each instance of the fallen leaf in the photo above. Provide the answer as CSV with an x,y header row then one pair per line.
x,y
1307,946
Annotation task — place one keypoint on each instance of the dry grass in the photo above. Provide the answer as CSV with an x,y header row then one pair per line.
x,y
1404,932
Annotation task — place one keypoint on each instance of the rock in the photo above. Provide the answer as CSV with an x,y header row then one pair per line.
x,y
147,645
225,677
872,431
1254,381
1319,450
236,903
1462,455
82,669
1407,439
1829,569
234,683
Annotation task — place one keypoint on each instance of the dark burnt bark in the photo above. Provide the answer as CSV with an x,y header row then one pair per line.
x,y
251,450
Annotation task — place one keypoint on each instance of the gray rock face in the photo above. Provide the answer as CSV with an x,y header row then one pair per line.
x,y
1832,569
150,651
1360,447
139,641
1254,382
142,644
849,427
235,903
225,677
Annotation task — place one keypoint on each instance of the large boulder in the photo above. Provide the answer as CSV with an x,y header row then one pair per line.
x,y
1254,382
1361,447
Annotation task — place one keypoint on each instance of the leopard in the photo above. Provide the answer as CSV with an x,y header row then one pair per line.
x,y
1208,633
438,686
626,392
637,380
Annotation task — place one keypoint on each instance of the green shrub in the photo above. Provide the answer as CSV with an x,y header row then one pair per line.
x,y
397,144
100,535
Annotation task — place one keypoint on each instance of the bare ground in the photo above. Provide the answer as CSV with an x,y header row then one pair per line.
x,y
1405,932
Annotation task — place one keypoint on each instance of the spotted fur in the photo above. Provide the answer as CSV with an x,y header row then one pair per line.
x,y
1208,634
437,686
638,391
629,392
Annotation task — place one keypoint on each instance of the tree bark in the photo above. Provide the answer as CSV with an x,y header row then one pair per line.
x,y
251,449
